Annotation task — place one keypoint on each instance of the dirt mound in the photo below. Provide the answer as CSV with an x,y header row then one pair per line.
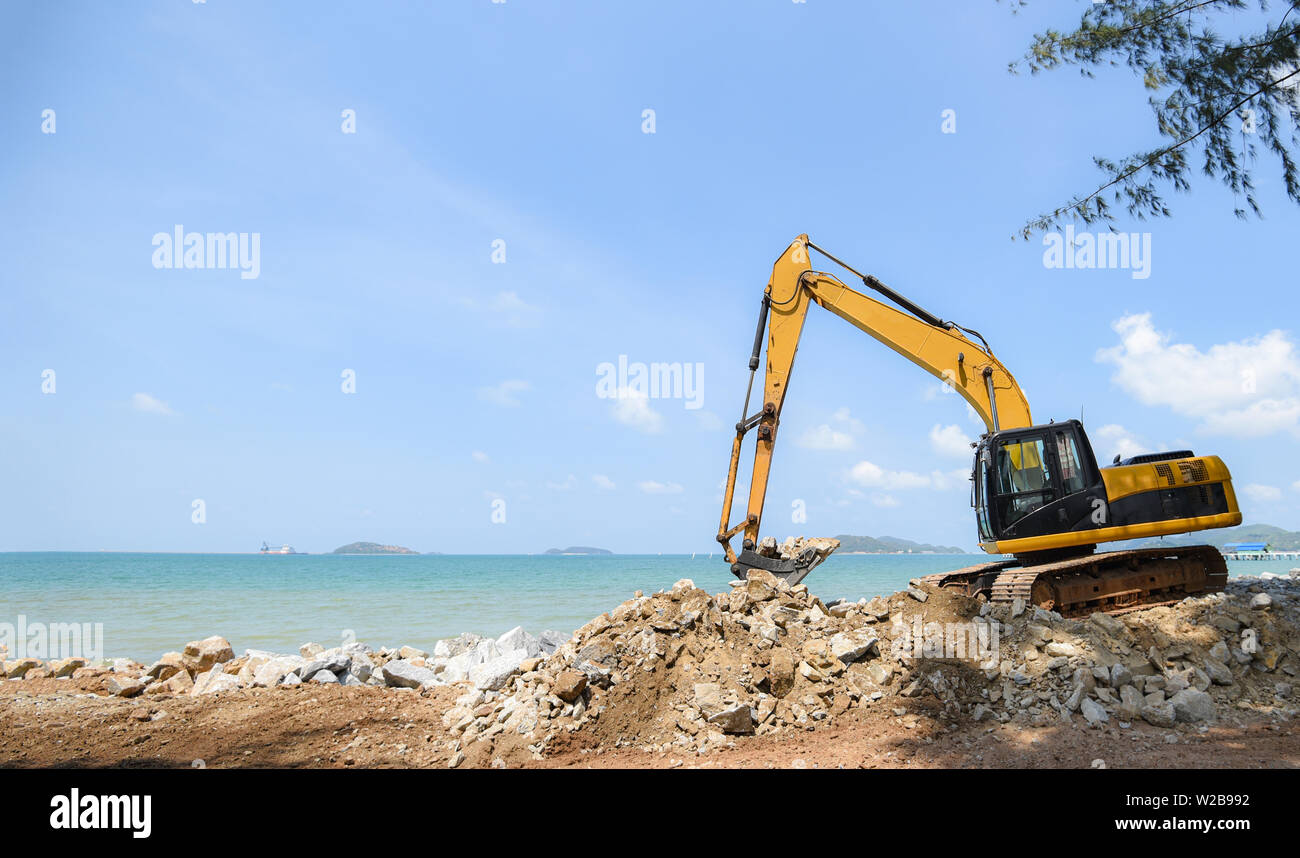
x,y
687,671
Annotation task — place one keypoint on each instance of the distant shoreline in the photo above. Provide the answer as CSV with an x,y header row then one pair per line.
x,y
699,555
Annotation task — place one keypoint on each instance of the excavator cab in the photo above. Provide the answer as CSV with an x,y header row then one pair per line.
x,y
1036,481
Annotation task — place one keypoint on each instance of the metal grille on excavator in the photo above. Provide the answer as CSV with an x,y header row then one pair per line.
x,y
1113,582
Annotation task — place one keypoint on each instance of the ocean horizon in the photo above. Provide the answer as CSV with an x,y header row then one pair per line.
x,y
151,603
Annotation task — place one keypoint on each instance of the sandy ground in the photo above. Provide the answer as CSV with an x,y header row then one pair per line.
x,y
48,723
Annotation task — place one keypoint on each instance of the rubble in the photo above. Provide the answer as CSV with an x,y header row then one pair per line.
x,y
686,671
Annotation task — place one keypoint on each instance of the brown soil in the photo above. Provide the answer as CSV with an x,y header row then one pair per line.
x,y
47,723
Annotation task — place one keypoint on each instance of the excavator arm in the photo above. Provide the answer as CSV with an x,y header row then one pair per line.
x,y
941,348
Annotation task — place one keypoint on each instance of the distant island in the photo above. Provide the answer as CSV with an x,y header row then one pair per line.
x,y
890,545
577,549
372,548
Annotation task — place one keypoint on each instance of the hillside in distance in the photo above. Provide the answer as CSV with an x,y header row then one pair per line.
x,y
850,544
372,548
1278,538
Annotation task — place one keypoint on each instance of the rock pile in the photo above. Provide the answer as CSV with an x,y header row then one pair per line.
x,y
804,549
210,666
686,670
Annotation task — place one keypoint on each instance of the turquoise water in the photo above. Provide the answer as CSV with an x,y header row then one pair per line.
x,y
151,603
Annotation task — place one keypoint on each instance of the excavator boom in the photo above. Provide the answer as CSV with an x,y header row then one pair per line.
x,y
941,348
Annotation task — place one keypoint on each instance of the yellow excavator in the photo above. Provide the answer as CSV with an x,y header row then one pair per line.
x,y
1039,495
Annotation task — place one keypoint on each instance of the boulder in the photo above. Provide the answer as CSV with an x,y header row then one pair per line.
x,y
849,647
18,668
1159,715
361,668
569,685
271,672
458,666
1191,706
518,639
551,640
760,585
335,662
734,719
1092,711
123,686
597,676
493,675
214,681
65,666
400,673
879,674
178,683
166,666
1130,701
781,672
452,647
200,656
708,697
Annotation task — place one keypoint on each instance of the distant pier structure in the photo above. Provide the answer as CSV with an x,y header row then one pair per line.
x,y
1256,551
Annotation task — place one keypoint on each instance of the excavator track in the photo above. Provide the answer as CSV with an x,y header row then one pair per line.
x,y
1113,582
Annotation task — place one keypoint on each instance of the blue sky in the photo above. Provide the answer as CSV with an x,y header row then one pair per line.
x,y
476,381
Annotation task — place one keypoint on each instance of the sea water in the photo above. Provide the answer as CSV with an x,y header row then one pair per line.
x,y
151,603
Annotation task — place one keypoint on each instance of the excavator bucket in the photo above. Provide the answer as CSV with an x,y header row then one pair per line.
x,y
791,561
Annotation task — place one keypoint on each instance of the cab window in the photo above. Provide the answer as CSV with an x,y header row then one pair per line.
x,y
979,502
1024,481
1071,469
1022,466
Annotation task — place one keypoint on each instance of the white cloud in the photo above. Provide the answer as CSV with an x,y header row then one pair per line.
x,y
602,482
1113,439
149,405
507,309
1264,417
944,480
1261,493
825,438
479,456
1248,388
504,394
632,408
832,437
569,482
950,441
1296,485
843,417
885,501
654,487
873,476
